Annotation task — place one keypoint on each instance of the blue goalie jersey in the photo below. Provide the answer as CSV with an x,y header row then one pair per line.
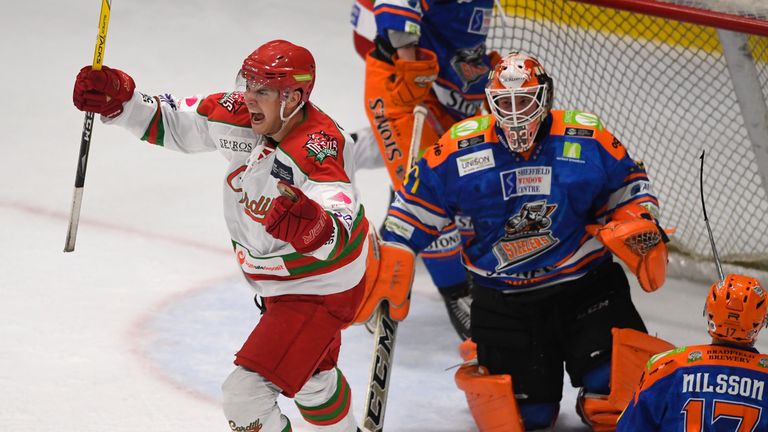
x,y
529,211
456,33
704,388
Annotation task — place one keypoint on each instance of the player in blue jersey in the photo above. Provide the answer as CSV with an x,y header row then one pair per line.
x,y
551,194
433,53
716,387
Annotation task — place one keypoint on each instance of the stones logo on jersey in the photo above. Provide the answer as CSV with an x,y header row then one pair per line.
x,y
320,146
526,235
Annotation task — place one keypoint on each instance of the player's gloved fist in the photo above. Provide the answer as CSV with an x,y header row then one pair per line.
x,y
102,91
298,220
413,78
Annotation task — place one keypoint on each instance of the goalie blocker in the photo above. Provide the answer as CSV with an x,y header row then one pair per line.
x,y
388,277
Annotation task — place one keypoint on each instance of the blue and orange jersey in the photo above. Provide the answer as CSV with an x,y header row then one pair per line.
x,y
701,388
529,211
456,32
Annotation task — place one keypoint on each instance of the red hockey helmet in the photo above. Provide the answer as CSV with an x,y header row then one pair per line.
x,y
736,309
281,65
519,94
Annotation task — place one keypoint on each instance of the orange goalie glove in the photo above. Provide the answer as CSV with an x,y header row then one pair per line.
x,y
389,276
636,238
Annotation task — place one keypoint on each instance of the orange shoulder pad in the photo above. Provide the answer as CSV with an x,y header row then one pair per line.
x,y
571,119
468,132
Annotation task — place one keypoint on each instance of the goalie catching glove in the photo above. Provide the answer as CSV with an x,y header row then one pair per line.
x,y
636,238
298,220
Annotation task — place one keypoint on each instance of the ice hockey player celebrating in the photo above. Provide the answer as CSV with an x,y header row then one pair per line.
x,y
550,194
430,53
303,251
715,387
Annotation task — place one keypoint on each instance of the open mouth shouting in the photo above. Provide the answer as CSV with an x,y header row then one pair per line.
x,y
256,118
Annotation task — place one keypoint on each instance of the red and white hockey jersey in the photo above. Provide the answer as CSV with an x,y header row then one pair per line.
x,y
315,157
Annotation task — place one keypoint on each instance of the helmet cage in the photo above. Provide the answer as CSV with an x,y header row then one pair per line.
x,y
519,94
519,113
518,107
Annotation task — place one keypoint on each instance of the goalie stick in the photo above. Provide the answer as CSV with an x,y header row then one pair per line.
x,y
386,327
85,140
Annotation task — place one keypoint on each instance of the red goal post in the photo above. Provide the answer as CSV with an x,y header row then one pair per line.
x,y
669,79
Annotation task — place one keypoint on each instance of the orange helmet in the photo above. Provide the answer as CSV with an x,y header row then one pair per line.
x,y
280,65
519,94
736,309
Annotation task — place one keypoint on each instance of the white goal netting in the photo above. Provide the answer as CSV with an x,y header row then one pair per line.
x,y
664,89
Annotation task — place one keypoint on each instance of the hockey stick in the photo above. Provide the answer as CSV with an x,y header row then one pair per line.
x,y
386,327
85,140
718,265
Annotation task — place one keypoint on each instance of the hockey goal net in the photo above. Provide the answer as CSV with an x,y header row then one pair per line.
x,y
669,79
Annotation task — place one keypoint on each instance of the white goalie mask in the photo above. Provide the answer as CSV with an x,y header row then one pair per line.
x,y
519,93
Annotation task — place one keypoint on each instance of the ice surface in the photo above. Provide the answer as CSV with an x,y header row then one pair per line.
x,y
135,330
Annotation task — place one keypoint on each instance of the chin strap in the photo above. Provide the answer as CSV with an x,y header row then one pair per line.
x,y
285,119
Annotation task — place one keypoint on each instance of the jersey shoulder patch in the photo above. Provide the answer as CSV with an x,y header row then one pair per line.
x,y
225,108
582,124
466,133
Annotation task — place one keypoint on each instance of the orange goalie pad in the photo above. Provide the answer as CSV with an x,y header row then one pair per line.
x,y
639,243
490,398
389,277
630,354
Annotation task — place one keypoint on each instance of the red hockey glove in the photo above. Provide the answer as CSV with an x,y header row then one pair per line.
x,y
298,220
102,91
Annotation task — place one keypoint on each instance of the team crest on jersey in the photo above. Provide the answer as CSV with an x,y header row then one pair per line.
x,y
320,146
469,66
763,363
232,101
526,235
